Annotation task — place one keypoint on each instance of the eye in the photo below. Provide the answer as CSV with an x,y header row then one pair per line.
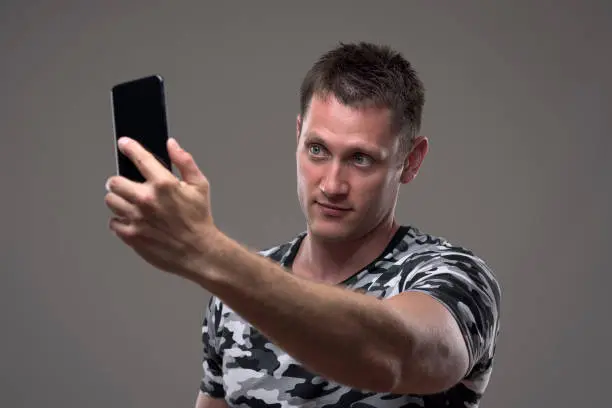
x,y
362,160
315,149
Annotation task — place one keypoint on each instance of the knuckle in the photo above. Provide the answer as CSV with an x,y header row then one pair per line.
x,y
147,200
132,231
130,235
136,215
165,185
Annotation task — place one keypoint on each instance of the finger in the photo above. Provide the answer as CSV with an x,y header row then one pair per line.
x,y
121,207
146,162
122,228
189,170
131,191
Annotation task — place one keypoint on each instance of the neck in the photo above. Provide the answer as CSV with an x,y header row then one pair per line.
x,y
334,261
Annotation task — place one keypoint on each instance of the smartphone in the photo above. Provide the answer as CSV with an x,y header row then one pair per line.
x,y
139,112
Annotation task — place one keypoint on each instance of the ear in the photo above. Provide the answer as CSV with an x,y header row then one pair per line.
x,y
414,159
298,126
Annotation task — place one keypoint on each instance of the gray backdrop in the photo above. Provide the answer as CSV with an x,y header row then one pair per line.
x,y
518,114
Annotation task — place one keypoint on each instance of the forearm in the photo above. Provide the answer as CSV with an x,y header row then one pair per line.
x,y
342,335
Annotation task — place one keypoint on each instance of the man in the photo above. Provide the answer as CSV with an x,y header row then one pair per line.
x,y
358,310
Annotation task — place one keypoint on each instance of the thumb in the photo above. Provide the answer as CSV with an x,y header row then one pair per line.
x,y
190,173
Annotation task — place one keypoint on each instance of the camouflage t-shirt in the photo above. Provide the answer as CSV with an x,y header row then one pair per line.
x,y
243,367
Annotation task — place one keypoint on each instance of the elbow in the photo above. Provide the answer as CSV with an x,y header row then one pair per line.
x,y
437,368
428,369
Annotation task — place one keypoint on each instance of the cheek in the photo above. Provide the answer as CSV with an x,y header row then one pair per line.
x,y
305,176
376,193
305,172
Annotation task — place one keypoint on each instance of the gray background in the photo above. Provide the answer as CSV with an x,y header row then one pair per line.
x,y
518,115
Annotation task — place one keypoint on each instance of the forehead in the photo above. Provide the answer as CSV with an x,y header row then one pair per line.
x,y
336,123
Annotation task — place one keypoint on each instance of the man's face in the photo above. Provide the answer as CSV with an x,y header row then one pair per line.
x,y
348,169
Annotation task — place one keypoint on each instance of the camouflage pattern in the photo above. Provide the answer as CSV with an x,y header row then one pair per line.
x,y
243,367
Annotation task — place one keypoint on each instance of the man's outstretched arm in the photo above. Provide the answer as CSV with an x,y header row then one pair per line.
x,y
406,344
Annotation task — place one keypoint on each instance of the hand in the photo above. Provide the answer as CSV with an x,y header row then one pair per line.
x,y
165,220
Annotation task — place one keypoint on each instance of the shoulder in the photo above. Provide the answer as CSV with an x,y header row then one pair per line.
x,y
425,255
462,281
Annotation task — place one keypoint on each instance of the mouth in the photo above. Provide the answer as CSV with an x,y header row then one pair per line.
x,y
333,209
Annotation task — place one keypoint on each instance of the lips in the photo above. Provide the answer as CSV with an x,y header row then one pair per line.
x,y
332,207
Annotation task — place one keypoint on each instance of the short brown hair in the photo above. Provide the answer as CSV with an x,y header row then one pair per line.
x,y
366,74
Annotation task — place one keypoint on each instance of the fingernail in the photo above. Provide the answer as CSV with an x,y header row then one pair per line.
x,y
176,144
107,185
122,141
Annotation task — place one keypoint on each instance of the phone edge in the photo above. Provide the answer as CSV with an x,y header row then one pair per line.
x,y
115,147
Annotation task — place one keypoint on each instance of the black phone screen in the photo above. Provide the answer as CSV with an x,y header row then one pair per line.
x,y
139,112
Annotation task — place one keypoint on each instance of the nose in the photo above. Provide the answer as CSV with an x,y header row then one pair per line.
x,y
334,183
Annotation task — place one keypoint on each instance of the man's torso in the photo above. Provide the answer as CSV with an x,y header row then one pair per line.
x,y
253,372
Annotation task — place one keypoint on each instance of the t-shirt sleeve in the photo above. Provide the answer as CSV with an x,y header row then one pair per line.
x,y
467,287
212,376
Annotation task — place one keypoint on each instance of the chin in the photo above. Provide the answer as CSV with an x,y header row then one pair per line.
x,y
332,231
